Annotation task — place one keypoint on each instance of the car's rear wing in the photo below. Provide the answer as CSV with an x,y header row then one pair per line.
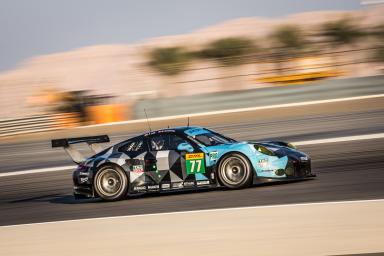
x,y
77,157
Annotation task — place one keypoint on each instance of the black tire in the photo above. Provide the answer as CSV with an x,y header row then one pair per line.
x,y
111,183
235,171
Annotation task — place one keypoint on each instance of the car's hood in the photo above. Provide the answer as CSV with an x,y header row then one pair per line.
x,y
280,149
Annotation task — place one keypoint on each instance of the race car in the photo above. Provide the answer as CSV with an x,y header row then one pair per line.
x,y
182,158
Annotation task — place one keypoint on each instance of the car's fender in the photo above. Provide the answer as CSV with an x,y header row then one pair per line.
x,y
262,164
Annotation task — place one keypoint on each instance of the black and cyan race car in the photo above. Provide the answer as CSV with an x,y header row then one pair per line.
x,y
178,159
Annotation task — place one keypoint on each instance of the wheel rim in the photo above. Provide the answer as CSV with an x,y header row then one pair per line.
x,y
234,170
109,182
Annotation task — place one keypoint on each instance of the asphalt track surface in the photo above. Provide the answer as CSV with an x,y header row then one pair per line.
x,y
346,170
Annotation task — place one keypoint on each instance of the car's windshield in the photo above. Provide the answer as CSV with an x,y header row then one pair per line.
x,y
211,138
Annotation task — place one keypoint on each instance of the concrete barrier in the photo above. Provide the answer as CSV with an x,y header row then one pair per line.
x,y
37,124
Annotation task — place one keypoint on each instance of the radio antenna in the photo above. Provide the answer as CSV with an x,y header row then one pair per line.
x,y
188,122
149,126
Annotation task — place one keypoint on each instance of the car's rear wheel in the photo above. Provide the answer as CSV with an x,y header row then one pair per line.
x,y
111,183
235,171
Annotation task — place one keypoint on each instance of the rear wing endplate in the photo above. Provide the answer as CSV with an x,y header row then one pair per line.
x,y
77,157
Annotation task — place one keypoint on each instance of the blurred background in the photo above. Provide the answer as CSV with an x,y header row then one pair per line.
x,y
225,62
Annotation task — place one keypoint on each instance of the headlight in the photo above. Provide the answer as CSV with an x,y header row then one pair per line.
x,y
291,145
264,150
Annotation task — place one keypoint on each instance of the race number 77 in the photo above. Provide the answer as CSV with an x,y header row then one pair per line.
x,y
194,163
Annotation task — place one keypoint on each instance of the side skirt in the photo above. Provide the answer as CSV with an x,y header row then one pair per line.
x,y
172,187
259,180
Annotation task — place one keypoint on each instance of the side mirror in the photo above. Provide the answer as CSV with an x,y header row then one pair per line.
x,y
185,147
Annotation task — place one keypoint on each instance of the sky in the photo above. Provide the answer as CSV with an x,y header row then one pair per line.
x,y
35,27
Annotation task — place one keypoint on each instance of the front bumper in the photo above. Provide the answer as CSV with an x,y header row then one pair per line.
x,y
296,169
302,169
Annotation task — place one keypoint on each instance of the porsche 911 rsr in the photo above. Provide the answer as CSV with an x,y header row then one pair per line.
x,y
180,158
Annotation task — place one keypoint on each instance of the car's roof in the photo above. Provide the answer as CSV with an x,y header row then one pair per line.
x,y
179,129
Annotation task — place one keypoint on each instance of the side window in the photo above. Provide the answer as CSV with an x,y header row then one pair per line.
x,y
165,142
137,145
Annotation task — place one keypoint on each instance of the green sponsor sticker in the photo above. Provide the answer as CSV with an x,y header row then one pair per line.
x,y
195,163
213,155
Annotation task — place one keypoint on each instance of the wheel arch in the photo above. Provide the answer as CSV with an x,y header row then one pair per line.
x,y
97,168
112,164
227,154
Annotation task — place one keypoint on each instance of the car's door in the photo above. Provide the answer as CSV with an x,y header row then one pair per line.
x,y
166,171
176,169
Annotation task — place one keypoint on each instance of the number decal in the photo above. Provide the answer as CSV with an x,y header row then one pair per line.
x,y
195,163
199,165
192,165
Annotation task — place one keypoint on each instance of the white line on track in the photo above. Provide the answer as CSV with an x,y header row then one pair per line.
x,y
33,171
297,143
340,139
204,211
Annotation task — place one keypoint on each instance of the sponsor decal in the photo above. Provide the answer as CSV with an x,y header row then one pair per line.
x,y
304,158
213,155
177,185
137,168
189,183
203,182
139,188
84,173
263,163
194,156
158,132
83,180
195,163
166,186
153,186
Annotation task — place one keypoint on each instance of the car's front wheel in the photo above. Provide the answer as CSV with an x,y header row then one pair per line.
x,y
111,183
235,171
